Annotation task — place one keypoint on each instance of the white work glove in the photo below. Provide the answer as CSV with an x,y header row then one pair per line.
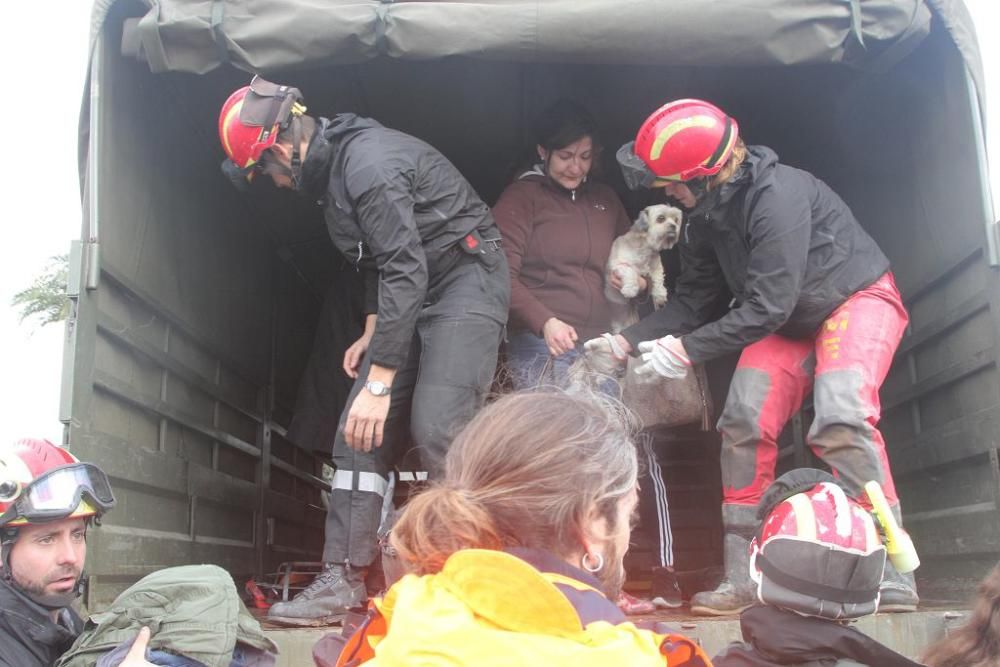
x,y
665,357
605,355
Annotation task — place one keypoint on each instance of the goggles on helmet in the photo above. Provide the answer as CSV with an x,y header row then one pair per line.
x,y
635,172
57,494
245,179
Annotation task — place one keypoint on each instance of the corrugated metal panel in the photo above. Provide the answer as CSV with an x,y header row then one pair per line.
x,y
187,454
172,386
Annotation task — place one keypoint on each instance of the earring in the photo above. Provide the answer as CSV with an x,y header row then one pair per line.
x,y
592,568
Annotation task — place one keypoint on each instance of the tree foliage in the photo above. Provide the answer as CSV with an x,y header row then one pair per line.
x,y
46,297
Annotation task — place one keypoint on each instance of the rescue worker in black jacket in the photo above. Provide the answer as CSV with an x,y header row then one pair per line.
x,y
398,209
48,500
813,308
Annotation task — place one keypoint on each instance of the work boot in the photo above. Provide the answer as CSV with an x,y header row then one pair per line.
x,y
735,592
335,590
665,591
897,592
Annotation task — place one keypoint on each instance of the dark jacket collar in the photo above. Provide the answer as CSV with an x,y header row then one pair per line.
x,y
591,604
759,161
27,632
324,150
545,561
779,637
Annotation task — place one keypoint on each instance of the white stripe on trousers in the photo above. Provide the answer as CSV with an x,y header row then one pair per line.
x,y
655,474
367,481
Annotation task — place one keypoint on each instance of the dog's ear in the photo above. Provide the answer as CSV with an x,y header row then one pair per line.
x,y
642,222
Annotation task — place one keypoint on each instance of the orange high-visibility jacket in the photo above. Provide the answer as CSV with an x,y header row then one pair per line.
x,y
492,608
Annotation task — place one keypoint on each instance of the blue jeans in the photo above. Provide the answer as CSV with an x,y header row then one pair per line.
x,y
531,366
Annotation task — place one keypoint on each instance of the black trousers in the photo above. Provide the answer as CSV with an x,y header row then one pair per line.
x,y
447,374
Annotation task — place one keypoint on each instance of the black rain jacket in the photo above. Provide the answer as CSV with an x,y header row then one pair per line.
x,y
28,636
394,204
786,246
774,637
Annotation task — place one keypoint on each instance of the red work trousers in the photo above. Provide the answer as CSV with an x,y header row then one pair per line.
x,y
843,365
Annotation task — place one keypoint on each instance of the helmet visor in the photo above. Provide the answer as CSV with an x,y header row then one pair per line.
x,y
637,175
57,494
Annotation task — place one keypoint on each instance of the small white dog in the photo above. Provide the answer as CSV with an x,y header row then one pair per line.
x,y
637,253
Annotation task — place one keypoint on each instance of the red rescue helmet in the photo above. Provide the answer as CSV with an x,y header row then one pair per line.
x,y
819,553
40,482
242,143
680,141
251,119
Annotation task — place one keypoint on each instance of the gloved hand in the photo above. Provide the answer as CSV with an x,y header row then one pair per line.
x,y
605,355
665,357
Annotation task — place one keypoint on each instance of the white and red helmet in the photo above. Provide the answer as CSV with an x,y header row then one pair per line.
x,y
249,123
817,551
40,482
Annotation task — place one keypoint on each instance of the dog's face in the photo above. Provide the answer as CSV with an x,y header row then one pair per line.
x,y
662,225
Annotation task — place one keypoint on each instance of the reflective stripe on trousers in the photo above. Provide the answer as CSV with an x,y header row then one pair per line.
x,y
844,366
368,482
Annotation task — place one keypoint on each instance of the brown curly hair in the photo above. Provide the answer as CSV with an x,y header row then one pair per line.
x,y
977,643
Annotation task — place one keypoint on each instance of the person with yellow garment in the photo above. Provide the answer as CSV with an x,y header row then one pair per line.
x,y
515,554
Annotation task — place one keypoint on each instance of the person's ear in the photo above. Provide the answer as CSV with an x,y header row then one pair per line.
x,y
594,532
542,153
282,152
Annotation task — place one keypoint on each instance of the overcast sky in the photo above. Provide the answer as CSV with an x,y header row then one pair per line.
x,y
42,88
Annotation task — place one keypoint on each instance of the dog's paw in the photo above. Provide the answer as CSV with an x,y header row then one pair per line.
x,y
659,298
630,291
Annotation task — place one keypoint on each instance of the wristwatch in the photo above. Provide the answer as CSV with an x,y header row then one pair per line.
x,y
376,388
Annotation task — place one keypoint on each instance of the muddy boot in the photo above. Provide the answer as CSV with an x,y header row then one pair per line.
x,y
735,592
897,592
326,600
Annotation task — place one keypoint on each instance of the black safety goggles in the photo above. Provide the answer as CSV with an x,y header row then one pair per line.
x,y
57,494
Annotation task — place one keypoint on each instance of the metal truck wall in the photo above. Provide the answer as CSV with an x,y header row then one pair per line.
x,y
187,356
942,401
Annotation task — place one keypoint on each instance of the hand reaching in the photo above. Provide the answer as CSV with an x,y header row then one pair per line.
x,y
665,357
607,354
559,336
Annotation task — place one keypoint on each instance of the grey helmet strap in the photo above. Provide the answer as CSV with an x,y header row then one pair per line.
x,y
296,161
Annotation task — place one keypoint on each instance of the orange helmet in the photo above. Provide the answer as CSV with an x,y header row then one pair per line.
x,y
251,119
680,141
40,482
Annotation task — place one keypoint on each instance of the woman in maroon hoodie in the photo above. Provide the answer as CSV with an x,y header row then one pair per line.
x,y
557,227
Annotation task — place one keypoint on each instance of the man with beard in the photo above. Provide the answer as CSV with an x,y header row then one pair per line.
x,y
48,500
398,210
813,308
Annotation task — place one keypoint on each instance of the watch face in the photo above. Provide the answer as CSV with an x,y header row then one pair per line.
x,y
377,388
